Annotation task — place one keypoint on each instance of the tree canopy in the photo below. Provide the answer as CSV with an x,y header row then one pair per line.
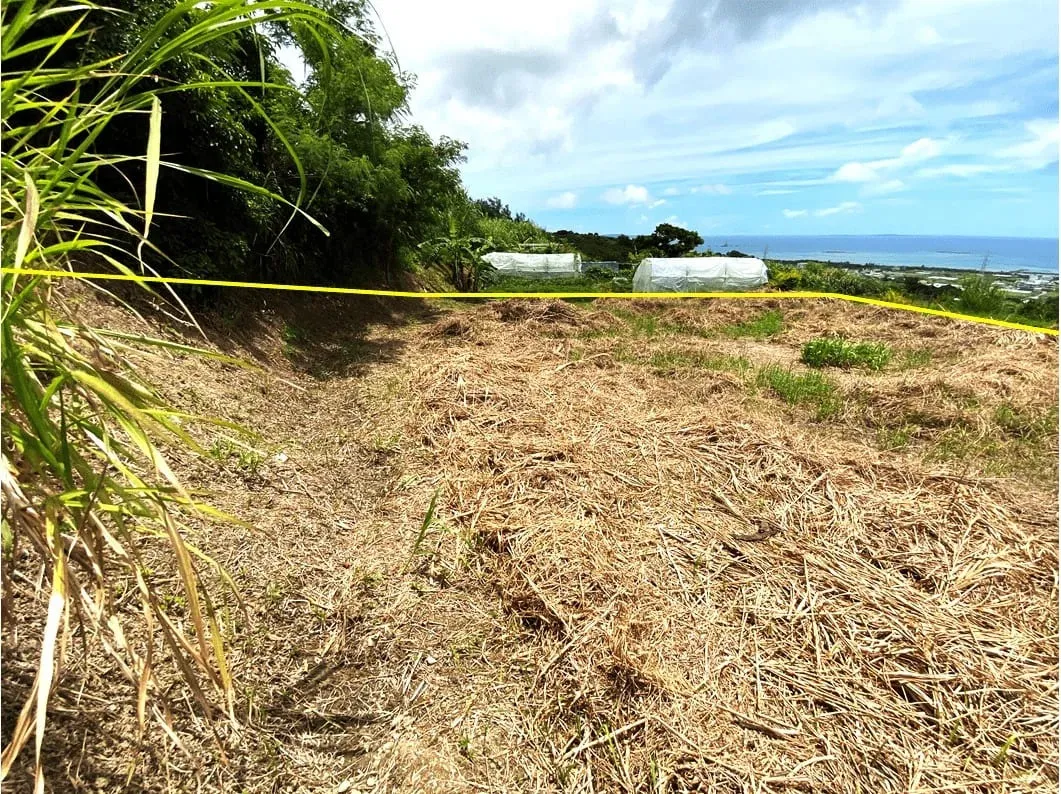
x,y
340,145
666,241
673,241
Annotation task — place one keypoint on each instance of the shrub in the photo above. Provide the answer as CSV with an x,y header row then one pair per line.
x,y
894,296
786,279
598,274
512,235
980,294
841,281
834,351
1041,309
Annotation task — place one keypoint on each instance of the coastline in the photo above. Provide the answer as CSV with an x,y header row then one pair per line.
x,y
995,254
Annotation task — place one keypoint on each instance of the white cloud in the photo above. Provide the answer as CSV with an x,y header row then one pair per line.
x,y
561,98
775,192
921,149
855,172
898,105
962,170
564,201
714,190
928,35
843,208
794,213
671,191
657,203
673,220
631,194
1041,150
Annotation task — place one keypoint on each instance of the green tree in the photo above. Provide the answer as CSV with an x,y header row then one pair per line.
x,y
382,185
672,241
493,208
341,143
597,247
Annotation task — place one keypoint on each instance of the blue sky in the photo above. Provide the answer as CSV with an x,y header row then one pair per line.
x,y
747,116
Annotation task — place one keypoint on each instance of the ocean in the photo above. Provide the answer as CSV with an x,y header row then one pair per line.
x,y
1035,254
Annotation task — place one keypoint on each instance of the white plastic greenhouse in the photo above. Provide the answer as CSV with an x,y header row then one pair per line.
x,y
700,274
535,265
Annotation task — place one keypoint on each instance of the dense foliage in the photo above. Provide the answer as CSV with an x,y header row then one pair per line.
x,y
599,247
819,277
339,145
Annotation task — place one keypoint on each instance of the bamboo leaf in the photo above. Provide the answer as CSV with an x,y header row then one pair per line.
x,y
154,155
29,222
86,429
191,589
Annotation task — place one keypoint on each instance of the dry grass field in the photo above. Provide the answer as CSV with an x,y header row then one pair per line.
x,y
603,547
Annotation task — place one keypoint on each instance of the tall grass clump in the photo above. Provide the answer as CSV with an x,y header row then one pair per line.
x,y
981,295
92,510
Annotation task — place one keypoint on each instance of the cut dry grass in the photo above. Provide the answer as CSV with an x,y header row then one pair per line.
x,y
723,601
500,556
677,359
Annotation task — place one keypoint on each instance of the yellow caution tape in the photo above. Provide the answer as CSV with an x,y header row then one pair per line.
x,y
387,293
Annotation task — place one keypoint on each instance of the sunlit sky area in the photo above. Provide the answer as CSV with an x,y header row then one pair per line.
x,y
747,116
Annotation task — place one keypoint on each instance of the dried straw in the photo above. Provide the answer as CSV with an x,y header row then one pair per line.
x,y
722,600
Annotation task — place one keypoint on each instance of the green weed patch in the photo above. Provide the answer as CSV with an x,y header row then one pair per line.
x,y
802,388
832,351
769,323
